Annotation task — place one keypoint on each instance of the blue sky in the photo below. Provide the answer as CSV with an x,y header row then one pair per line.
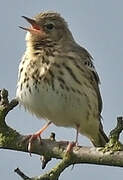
x,y
96,25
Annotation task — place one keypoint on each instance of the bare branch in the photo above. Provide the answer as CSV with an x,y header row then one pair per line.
x,y
21,174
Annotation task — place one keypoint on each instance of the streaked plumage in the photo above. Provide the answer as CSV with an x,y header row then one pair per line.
x,y
57,79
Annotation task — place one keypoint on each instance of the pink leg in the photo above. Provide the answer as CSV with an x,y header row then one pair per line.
x,y
77,133
72,144
37,135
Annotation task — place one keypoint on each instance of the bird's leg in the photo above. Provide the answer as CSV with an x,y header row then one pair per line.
x,y
77,134
37,135
72,144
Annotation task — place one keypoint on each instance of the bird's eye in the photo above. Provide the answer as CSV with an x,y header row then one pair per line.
x,y
49,26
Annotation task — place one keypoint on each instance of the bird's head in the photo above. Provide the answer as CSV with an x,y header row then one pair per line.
x,y
47,26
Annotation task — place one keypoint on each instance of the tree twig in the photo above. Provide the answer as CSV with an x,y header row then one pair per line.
x,y
21,174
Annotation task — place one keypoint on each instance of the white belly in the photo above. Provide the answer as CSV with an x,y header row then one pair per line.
x,y
63,108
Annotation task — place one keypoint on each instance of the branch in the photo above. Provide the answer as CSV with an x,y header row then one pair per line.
x,y
21,174
111,155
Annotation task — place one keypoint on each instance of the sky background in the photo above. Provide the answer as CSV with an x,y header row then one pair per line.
x,y
98,26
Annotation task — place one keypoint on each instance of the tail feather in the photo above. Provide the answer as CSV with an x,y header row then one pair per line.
x,y
101,140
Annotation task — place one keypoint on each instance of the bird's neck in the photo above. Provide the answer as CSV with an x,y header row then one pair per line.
x,y
48,47
40,47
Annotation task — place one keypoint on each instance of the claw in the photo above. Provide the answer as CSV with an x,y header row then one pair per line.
x,y
31,138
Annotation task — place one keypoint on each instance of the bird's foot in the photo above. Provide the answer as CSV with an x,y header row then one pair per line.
x,y
70,147
31,138
73,144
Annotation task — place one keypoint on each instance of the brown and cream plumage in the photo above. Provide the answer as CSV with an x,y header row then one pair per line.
x,y
57,79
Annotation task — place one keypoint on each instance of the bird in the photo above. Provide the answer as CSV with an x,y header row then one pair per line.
x,y
57,79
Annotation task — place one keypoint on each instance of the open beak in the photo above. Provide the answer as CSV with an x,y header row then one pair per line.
x,y
34,29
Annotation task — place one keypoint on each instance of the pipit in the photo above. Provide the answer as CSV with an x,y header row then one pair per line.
x,y
57,80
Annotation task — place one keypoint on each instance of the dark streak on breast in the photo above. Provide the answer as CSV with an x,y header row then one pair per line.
x,y
71,73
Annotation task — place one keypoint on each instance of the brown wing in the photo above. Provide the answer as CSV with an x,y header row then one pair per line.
x,y
94,78
86,59
95,81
